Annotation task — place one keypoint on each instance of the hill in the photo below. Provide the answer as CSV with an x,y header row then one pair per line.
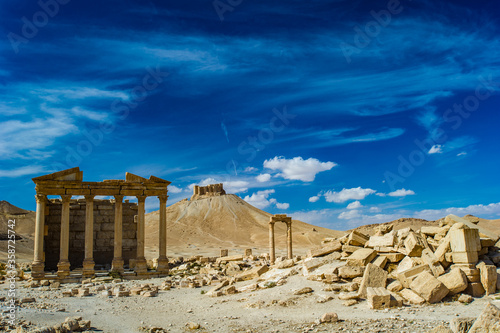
x,y
203,226
24,228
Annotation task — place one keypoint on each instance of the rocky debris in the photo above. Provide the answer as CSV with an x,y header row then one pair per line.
x,y
329,317
461,325
305,290
488,321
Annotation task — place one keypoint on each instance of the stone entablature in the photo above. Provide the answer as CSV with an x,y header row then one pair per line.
x,y
70,182
212,190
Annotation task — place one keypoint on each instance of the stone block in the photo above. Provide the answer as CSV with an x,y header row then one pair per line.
x,y
464,257
487,233
229,258
361,257
396,300
411,297
309,265
357,238
395,286
443,248
440,329
330,317
393,257
224,252
385,240
488,320
380,261
378,298
350,248
464,240
475,289
373,276
429,288
488,275
461,325
323,251
414,244
350,272
406,277
430,259
252,273
455,280
430,230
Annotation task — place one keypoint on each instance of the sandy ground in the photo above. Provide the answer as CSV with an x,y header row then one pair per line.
x,y
256,311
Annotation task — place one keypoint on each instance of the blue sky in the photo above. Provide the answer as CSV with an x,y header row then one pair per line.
x,y
340,113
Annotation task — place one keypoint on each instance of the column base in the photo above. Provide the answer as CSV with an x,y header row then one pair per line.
x,y
38,270
162,266
63,269
141,266
117,265
88,268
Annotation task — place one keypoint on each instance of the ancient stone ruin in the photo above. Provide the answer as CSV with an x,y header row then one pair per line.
x,y
272,249
212,190
95,231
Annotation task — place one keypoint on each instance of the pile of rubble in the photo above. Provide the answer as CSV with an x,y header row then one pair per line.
x,y
395,267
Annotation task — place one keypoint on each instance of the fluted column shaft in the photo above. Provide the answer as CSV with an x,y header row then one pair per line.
x,y
289,239
162,259
38,265
272,253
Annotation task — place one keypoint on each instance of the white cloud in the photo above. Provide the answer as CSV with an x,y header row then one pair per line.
x,y
348,215
314,199
354,205
462,153
356,193
401,193
22,171
297,168
374,210
487,211
174,189
436,149
233,186
264,177
260,199
250,169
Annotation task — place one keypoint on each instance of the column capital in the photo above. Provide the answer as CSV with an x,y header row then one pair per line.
x,y
141,198
163,198
119,197
65,197
40,198
271,222
89,197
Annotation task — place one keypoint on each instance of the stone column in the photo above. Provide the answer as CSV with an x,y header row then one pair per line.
x,y
88,262
162,259
117,263
289,239
140,262
63,267
38,265
272,255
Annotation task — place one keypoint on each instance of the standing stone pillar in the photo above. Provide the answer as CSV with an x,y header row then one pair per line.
x,y
272,254
38,265
289,239
88,262
140,262
162,259
63,267
117,263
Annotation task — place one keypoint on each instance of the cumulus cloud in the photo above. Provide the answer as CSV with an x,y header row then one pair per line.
x,y
346,194
354,205
314,198
436,149
174,189
264,177
250,169
350,214
297,168
401,193
261,199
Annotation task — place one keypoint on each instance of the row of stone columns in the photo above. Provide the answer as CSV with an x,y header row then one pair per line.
x,y
88,263
272,248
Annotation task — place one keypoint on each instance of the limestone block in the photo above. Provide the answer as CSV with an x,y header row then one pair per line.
x,y
395,286
403,233
464,240
406,264
229,258
373,276
414,244
443,248
350,272
455,280
440,329
380,261
464,257
486,242
309,265
406,277
378,298
330,317
252,273
327,271
287,263
461,325
396,300
475,289
430,259
361,257
323,251
350,248
393,257
385,240
411,297
455,219
488,320
356,238
430,230
217,288
488,275
429,288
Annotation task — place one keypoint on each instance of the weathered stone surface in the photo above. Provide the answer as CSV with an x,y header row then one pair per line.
x,y
469,257
285,264
385,240
373,276
411,297
393,257
350,248
488,274
380,261
406,264
430,230
461,325
361,257
378,298
251,273
455,280
440,329
217,287
475,289
329,317
414,244
488,321
395,286
443,248
430,259
305,290
350,272
229,258
406,277
454,219
323,251
430,288
465,299
356,238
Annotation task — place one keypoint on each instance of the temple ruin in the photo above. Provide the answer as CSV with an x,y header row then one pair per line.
x,y
272,249
107,226
212,190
